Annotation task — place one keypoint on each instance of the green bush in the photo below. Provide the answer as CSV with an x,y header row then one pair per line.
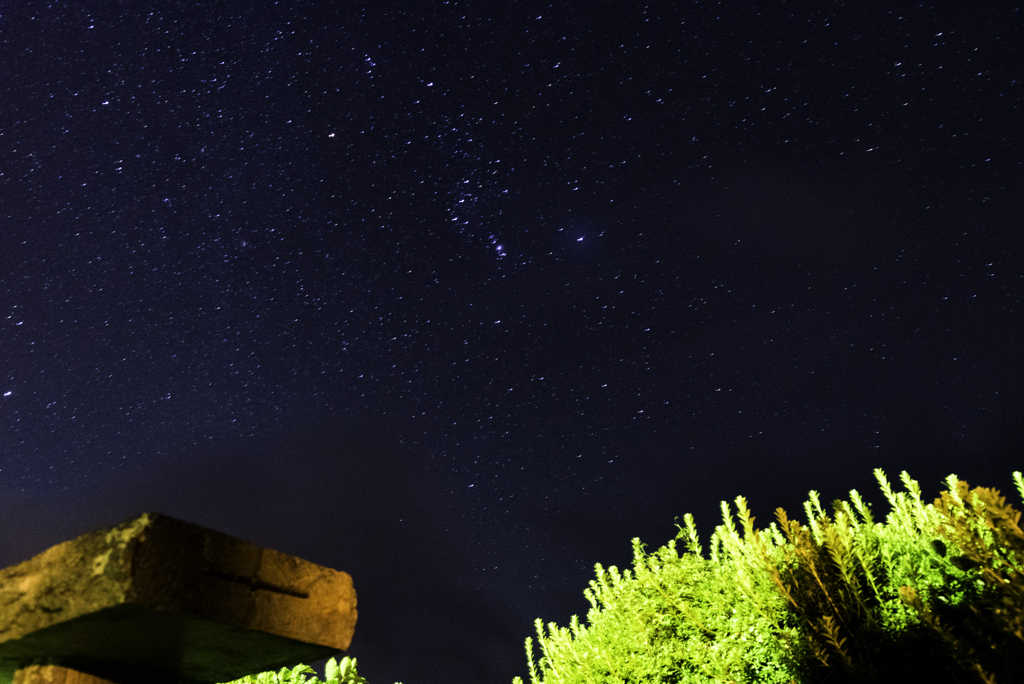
x,y
936,593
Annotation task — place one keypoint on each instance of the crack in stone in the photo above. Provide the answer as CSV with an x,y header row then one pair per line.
x,y
255,584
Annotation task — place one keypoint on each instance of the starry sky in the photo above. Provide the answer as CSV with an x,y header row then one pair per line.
x,y
459,297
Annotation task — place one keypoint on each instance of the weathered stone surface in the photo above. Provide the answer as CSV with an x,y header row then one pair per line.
x,y
54,674
160,600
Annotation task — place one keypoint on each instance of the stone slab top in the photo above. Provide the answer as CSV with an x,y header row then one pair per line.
x,y
159,600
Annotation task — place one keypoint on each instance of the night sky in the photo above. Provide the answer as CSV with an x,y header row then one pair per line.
x,y
459,297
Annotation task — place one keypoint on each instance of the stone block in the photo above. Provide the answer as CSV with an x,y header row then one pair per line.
x,y
162,601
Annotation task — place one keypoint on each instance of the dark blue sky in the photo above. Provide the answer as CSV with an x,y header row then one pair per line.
x,y
459,297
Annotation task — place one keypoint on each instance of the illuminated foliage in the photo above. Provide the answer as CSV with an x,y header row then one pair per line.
x,y
935,593
334,672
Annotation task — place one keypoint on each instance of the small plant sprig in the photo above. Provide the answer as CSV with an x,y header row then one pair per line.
x,y
335,673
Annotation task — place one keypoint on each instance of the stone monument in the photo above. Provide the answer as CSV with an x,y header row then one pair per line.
x,y
155,600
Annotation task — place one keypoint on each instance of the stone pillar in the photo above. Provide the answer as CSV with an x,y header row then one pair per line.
x,y
54,674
